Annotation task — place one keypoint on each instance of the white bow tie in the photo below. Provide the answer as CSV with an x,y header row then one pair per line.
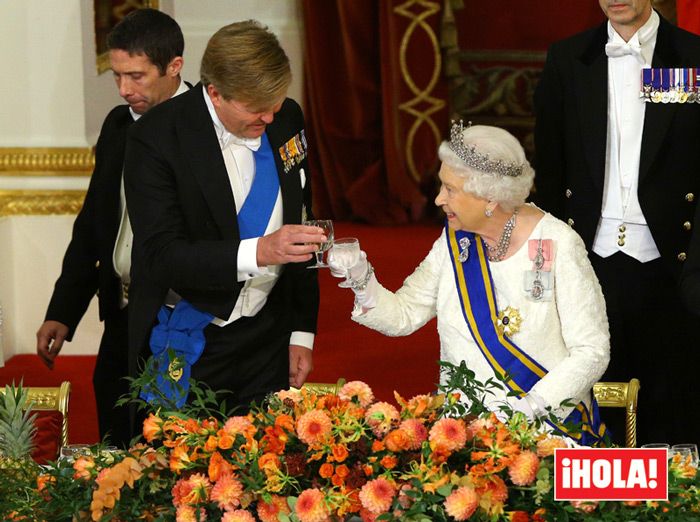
x,y
231,139
618,49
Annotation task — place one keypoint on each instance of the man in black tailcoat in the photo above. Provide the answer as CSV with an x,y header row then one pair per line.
x,y
624,173
217,185
145,51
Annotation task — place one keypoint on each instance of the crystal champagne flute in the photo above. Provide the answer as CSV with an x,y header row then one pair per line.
x,y
327,226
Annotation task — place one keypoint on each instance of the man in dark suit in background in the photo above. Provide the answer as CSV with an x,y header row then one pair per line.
x,y
145,51
624,173
217,183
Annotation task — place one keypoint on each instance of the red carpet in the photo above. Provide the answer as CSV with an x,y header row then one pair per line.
x,y
342,349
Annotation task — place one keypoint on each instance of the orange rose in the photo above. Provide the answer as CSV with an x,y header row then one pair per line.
x,y
326,470
269,461
340,452
389,461
397,440
225,442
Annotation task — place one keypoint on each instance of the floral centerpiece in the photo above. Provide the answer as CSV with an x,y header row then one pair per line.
x,y
316,457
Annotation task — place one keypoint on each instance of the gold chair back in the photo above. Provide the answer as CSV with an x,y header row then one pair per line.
x,y
321,388
52,398
621,395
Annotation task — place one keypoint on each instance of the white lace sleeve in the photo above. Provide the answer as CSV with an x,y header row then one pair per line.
x,y
414,304
584,324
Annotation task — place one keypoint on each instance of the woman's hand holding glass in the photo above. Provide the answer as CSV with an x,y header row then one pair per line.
x,y
347,260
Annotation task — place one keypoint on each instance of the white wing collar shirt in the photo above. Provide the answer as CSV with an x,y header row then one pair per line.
x,y
259,281
622,226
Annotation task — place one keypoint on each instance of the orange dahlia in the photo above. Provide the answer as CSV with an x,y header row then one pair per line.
x,y
546,447
239,424
239,515
186,513
269,512
227,492
585,506
448,434
314,427
493,493
180,491
416,431
311,506
377,495
200,489
523,468
357,390
462,503
381,416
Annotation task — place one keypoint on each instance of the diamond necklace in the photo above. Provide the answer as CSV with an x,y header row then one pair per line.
x,y
498,252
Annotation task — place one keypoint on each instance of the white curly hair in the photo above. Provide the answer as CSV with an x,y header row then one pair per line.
x,y
498,144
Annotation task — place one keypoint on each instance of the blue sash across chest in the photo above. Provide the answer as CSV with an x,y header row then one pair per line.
x,y
180,331
477,298
260,202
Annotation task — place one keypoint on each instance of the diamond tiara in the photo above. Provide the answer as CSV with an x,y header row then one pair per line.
x,y
469,155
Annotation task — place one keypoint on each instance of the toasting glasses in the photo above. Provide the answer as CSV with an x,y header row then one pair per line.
x,y
327,226
346,252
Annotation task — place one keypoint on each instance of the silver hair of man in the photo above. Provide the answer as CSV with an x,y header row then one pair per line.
x,y
498,144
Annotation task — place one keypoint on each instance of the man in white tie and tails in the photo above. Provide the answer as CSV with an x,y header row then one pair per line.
x,y
624,173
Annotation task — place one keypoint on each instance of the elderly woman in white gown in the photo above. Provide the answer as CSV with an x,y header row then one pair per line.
x,y
511,286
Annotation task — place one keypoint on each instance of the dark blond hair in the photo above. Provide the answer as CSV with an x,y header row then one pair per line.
x,y
246,63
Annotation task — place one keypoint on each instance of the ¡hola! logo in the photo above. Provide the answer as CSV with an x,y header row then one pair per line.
x,y
610,474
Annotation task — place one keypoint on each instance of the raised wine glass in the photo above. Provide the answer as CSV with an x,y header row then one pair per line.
x,y
327,226
346,252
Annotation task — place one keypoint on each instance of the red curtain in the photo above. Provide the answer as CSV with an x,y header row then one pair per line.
x,y
375,109
688,12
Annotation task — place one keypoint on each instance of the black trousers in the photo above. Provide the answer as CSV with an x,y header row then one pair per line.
x,y
249,357
653,338
108,381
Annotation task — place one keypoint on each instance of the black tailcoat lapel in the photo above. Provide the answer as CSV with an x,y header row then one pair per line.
x,y
591,84
196,131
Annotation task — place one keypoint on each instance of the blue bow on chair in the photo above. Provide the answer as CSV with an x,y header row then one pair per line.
x,y
177,342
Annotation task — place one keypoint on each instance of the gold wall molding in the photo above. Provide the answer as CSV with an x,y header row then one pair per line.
x,y
46,161
40,202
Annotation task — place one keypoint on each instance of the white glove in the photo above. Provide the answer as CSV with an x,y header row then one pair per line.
x,y
531,405
339,268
